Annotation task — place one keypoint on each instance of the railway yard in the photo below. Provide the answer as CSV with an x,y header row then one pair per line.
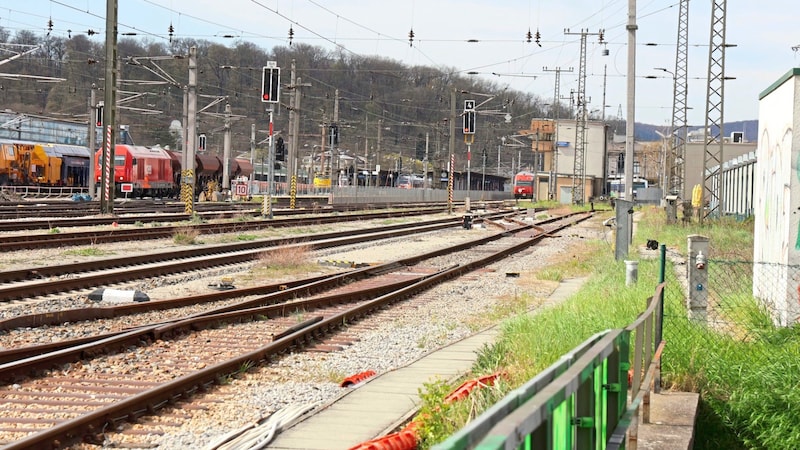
x,y
246,317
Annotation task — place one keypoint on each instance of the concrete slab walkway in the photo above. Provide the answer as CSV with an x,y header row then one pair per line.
x,y
384,403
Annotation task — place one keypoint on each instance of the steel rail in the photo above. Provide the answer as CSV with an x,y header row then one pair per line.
x,y
275,293
89,425
103,272
36,273
61,239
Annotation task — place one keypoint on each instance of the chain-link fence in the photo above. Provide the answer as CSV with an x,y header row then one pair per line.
x,y
731,335
710,303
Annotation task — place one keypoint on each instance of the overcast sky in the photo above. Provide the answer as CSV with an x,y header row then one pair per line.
x,y
764,37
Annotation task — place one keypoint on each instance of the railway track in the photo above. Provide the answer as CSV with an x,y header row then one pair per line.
x,y
45,280
92,237
48,215
81,402
63,208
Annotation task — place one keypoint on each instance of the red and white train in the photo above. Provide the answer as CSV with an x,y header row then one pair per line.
x,y
523,185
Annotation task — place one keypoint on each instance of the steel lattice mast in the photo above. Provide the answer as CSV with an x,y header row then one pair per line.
x,y
579,164
553,181
677,162
715,95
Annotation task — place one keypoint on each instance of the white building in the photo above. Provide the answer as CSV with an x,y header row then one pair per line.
x,y
776,247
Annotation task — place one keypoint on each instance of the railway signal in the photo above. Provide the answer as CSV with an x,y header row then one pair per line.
x,y
469,117
280,149
271,85
333,135
98,116
469,137
469,122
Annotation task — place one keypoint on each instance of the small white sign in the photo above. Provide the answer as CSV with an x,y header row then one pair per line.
x,y
241,189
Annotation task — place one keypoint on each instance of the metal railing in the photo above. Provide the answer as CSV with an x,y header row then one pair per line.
x,y
581,401
45,191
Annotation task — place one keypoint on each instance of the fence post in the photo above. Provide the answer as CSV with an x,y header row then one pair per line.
x,y
660,319
697,276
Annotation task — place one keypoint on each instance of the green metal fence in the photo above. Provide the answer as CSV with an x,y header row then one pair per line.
x,y
581,401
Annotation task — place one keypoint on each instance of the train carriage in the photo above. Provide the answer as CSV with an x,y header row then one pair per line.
x,y
175,160
10,172
74,164
38,165
523,185
27,163
241,167
410,182
207,168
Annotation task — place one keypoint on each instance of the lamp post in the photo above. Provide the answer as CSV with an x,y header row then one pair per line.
x,y
667,161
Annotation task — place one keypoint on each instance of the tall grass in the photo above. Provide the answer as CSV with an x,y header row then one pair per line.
x,y
286,260
747,374
534,339
185,236
748,377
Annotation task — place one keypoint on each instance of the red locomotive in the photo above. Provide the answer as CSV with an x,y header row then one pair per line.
x,y
148,170
523,185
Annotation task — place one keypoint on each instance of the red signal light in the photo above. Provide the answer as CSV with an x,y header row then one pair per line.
x,y
271,85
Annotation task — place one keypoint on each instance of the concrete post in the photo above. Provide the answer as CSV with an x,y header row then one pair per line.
x,y
191,131
624,222
631,272
92,143
671,208
109,110
697,276
226,154
184,125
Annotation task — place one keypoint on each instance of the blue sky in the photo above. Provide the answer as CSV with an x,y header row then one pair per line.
x,y
764,37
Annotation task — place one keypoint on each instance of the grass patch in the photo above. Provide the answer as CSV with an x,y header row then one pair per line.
x,y
444,419
394,221
185,236
530,343
87,251
282,261
746,374
578,261
729,239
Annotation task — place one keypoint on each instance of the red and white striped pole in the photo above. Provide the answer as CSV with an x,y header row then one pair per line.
x,y
450,183
107,172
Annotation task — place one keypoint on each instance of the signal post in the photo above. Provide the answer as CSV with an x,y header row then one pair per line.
x,y
270,94
469,138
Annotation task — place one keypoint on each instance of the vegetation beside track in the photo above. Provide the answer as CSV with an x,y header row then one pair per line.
x,y
746,402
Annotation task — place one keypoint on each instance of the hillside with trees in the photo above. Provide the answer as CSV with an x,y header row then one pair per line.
x,y
406,103
376,96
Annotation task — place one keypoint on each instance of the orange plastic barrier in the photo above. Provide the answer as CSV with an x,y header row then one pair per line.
x,y
406,439
402,440
467,387
357,378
